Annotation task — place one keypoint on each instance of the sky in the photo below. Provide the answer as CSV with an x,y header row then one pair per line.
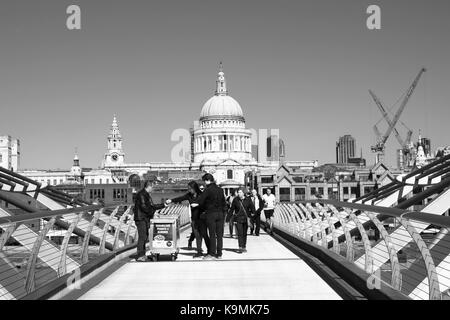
x,y
303,67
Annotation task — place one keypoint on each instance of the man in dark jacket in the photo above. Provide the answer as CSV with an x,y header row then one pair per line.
x,y
255,219
242,208
212,201
144,209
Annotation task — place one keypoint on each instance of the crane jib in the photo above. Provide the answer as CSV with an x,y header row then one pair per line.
x,y
392,123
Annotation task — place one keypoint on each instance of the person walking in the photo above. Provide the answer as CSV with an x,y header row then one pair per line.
x,y
269,207
198,225
212,201
255,219
144,210
230,219
242,208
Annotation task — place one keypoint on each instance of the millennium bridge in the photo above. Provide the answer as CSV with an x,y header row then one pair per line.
x,y
392,243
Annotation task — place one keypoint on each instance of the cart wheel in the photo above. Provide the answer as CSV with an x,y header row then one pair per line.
x,y
174,257
154,258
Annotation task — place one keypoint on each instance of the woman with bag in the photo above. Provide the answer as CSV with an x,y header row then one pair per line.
x,y
242,208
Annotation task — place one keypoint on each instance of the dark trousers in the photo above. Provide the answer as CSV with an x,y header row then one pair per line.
x,y
200,232
215,225
142,228
231,225
255,223
242,233
192,236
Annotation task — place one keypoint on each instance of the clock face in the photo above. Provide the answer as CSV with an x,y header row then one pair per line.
x,y
115,156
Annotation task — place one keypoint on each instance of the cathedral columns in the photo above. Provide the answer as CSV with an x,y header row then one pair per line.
x,y
220,142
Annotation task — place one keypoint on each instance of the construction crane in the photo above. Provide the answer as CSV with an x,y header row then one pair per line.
x,y
404,144
379,147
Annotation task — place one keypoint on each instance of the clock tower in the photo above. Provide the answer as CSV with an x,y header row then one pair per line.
x,y
114,157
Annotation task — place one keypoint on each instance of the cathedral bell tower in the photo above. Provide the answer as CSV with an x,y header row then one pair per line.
x,y
114,156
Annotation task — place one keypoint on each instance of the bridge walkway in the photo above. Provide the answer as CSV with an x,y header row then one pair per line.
x,y
268,270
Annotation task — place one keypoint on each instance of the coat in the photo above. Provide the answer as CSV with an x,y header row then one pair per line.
x,y
144,208
212,200
195,212
261,204
242,209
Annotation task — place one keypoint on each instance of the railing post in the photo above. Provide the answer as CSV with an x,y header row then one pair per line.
x,y
313,223
85,246
396,276
433,281
348,238
297,220
31,267
7,233
101,248
306,228
119,228
368,266
127,234
62,268
336,247
324,241
300,220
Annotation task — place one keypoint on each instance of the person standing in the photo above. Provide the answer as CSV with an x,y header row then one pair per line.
x,y
230,219
242,208
192,236
212,201
144,210
198,225
255,219
269,207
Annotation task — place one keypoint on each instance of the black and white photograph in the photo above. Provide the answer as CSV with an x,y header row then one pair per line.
x,y
217,159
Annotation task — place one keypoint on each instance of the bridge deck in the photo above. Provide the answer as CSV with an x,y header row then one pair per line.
x,y
267,271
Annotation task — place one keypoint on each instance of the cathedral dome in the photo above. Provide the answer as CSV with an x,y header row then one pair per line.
x,y
221,106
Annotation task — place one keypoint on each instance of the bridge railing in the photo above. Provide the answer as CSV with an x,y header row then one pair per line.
x,y
41,246
406,250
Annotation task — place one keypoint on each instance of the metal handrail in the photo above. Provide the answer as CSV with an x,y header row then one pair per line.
x,y
420,216
55,213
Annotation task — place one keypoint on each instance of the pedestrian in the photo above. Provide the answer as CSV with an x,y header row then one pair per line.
x,y
242,208
212,201
192,236
269,207
198,224
144,210
255,219
230,219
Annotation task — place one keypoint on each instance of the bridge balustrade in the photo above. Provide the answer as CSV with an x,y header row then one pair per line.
x,y
39,247
404,249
